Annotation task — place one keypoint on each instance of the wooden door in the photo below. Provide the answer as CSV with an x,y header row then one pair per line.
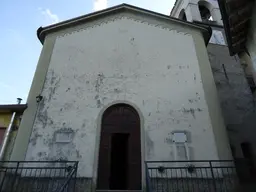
x,y
123,121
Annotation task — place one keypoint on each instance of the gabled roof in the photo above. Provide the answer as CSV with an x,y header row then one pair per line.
x,y
236,16
43,31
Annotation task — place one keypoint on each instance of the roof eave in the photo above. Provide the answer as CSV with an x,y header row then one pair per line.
x,y
226,25
42,31
13,108
236,20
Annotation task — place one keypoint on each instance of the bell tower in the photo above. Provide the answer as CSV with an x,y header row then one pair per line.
x,y
206,11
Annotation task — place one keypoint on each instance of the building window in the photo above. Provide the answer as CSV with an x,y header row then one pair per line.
x,y
217,38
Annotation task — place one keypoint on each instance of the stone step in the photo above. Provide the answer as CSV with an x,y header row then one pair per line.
x,y
108,190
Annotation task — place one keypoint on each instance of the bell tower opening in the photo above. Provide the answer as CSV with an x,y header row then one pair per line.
x,y
204,12
182,15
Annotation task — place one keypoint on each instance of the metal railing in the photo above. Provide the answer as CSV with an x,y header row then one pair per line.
x,y
70,178
38,176
148,180
189,176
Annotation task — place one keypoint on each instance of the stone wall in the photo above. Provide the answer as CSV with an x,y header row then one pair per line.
x,y
237,102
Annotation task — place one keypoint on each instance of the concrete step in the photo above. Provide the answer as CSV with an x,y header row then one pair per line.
x,y
108,190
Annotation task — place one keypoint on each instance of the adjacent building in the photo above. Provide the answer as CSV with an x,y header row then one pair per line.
x,y
232,77
6,113
239,18
118,87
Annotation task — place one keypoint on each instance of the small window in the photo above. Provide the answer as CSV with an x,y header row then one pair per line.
x,y
217,38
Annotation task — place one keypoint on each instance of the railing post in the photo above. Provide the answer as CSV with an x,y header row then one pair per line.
x,y
76,165
2,176
148,183
69,177
214,183
15,175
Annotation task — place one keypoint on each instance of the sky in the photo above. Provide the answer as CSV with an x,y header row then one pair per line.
x,y
20,48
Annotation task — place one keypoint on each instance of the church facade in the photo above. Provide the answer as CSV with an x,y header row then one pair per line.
x,y
119,87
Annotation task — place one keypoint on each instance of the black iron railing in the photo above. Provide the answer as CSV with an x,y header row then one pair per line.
x,y
148,180
70,182
177,176
38,176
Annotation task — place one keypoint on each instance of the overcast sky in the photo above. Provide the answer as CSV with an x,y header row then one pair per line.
x,y
20,48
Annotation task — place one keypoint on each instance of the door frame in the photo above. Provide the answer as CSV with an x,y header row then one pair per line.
x,y
97,142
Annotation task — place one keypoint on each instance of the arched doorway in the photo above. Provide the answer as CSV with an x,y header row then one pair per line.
x,y
119,164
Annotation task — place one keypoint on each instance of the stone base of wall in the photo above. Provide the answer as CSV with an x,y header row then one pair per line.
x,y
46,184
194,184
84,185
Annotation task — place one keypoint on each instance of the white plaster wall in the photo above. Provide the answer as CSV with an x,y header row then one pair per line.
x,y
152,67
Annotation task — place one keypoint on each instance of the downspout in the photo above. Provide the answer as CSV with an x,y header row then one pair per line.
x,y
7,134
